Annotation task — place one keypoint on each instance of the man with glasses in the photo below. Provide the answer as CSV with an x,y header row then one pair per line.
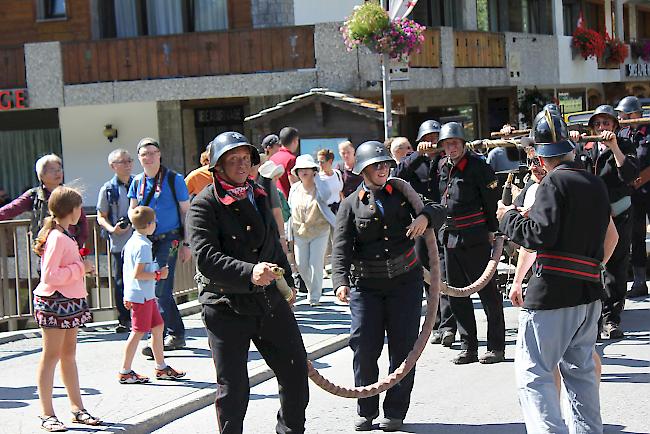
x,y
112,216
165,191
615,161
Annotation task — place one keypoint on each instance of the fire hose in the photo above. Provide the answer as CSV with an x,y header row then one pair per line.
x,y
430,317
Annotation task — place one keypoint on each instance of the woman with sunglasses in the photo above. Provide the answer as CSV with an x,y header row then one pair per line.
x,y
311,220
376,270
615,161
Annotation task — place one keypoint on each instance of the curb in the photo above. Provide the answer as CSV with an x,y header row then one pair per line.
x,y
158,417
186,309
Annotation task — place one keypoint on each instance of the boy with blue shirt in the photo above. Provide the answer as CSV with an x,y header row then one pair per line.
x,y
166,193
140,276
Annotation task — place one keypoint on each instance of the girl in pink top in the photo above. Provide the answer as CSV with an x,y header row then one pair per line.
x,y
60,306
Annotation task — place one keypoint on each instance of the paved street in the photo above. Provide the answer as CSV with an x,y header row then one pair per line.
x,y
463,399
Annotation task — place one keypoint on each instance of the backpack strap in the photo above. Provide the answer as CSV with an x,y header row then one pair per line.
x,y
171,180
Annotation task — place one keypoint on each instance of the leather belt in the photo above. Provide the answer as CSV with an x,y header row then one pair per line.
x,y
389,268
205,284
174,233
568,265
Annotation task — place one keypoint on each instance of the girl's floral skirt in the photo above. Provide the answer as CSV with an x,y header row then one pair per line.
x,y
57,311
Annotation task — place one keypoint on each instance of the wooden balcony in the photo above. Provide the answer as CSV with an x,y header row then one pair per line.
x,y
479,50
189,55
12,67
429,55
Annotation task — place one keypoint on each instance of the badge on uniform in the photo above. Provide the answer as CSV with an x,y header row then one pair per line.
x,y
492,185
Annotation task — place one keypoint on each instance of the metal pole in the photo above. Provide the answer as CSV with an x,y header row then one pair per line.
x,y
385,76
388,112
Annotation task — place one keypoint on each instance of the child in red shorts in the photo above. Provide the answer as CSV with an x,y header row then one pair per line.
x,y
140,277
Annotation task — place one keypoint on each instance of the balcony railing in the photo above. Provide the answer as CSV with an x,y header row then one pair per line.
x,y
480,50
189,55
12,67
429,55
19,274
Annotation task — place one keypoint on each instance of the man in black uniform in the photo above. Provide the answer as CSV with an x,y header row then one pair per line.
x,y
375,268
570,227
469,193
420,169
630,108
235,242
614,160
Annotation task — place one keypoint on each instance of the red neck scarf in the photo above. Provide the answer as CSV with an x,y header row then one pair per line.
x,y
236,192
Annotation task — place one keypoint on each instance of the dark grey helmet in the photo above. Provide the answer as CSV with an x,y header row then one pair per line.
x,y
228,141
428,127
451,130
629,104
371,152
553,108
604,110
551,135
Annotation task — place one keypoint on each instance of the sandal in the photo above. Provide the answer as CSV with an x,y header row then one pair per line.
x,y
52,424
84,418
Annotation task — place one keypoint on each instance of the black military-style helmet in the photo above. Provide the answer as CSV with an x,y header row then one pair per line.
x,y
553,108
629,104
604,110
428,127
371,152
551,135
451,130
228,141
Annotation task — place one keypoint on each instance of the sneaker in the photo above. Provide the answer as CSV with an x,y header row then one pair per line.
x,y
448,339
492,357
174,343
611,331
436,337
169,373
638,291
465,357
121,328
147,351
389,424
132,378
364,423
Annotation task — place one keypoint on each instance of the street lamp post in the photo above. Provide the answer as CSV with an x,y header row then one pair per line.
x,y
385,76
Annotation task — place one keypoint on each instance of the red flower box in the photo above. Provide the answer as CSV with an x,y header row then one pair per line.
x,y
589,42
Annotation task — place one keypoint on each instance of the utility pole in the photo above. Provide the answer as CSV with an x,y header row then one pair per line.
x,y
385,74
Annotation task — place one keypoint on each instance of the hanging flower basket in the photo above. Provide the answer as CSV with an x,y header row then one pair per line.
x,y
589,43
615,51
370,25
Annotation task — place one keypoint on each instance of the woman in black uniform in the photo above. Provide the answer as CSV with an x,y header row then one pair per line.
x,y
376,270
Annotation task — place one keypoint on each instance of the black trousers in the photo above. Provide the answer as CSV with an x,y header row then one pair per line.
x,y
278,340
124,316
640,210
445,320
463,266
616,271
378,313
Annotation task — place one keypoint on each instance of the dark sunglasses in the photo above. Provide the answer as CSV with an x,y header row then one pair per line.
x,y
381,165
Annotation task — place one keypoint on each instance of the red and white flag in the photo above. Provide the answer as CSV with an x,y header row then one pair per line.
x,y
581,20
400,8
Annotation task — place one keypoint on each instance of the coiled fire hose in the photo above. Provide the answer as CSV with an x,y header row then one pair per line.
x,y
430,317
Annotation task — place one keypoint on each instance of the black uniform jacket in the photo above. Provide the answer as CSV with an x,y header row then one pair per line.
x,y
570,215
641,141
469,193
603,164
363,232
228,237
422,173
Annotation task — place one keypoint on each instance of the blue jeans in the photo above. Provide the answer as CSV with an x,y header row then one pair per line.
x,y
164,288
566,336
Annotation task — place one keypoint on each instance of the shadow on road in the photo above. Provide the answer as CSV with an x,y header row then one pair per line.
x,y
499,428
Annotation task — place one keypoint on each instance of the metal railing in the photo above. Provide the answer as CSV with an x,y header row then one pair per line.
x,y
19,275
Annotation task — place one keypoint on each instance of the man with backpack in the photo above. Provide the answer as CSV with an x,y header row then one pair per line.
x,y
112,216
165,191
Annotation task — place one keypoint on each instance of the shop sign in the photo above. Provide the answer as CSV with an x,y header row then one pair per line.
x,y
13,99
637,69
570,102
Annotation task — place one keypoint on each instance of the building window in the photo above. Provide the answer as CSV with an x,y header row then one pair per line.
x,y
593,13
50,9
436,13
526,16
